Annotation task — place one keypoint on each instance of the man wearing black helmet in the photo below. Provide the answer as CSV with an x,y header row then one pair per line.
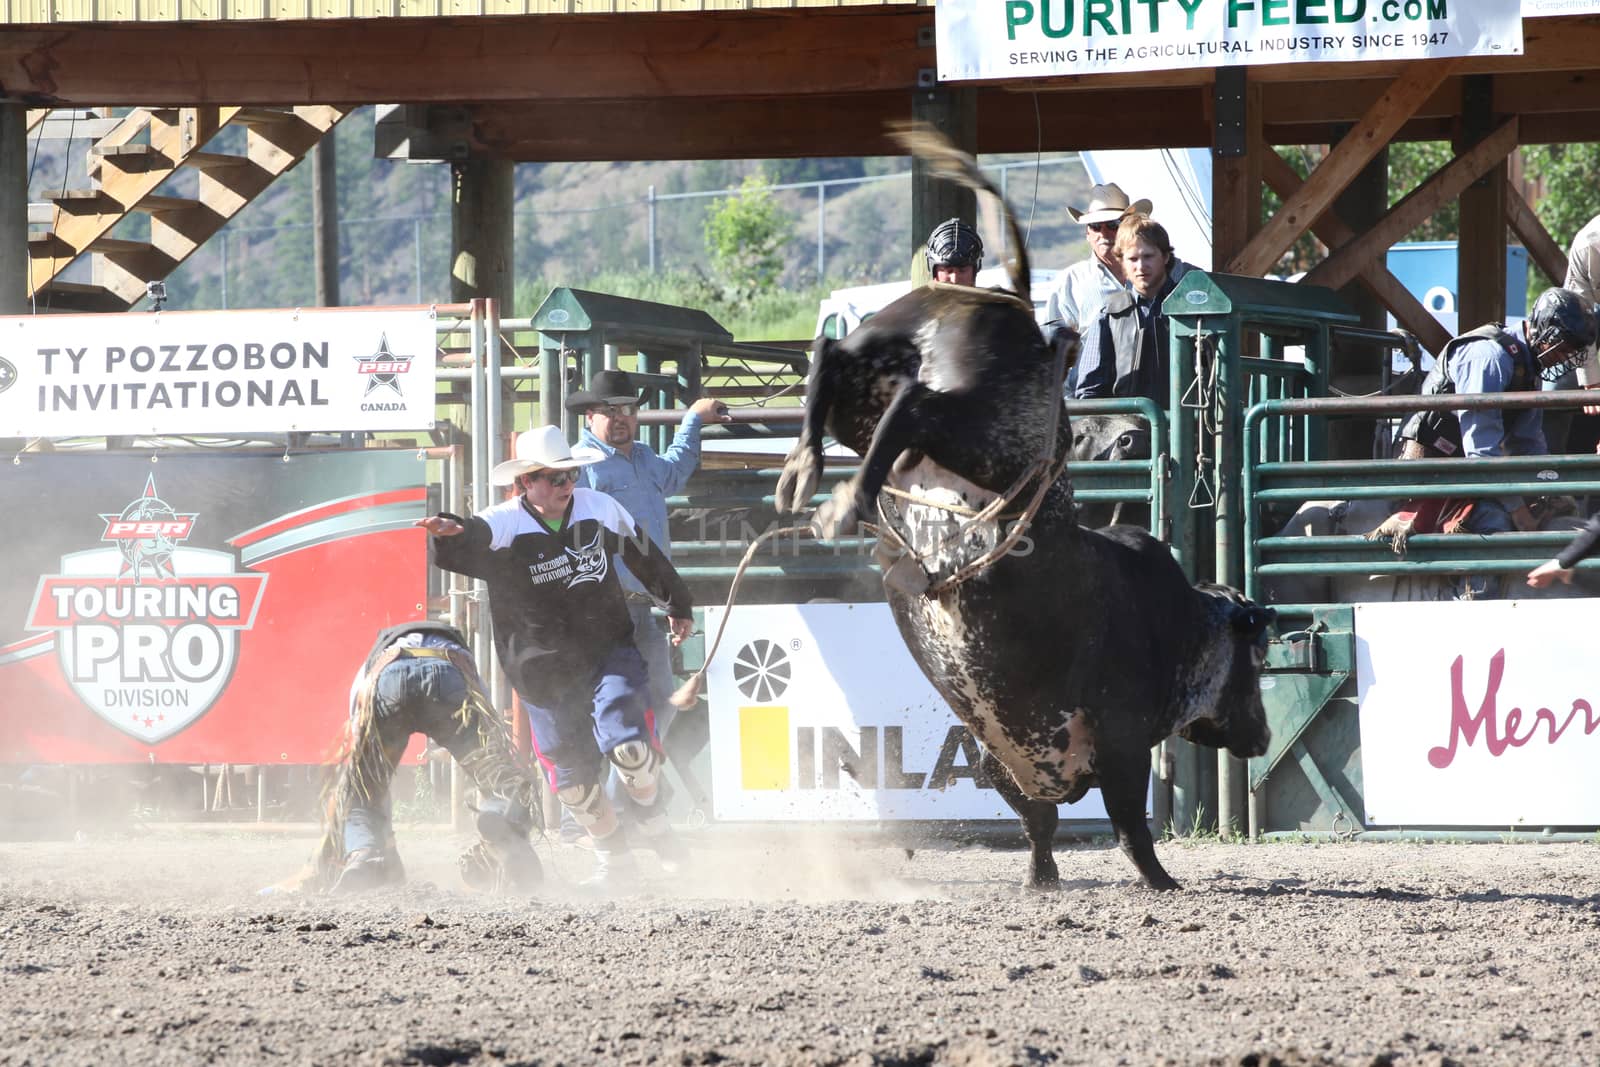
x,y
1491,359
954,253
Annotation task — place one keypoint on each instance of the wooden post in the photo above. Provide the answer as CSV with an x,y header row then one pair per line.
x,y
481,238
1481,251
1235,163
1236,150
325,219
955,113
1358,371
13,208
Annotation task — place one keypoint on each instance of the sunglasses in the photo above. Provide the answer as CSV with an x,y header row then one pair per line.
x,y
616,411
1103,227
559,477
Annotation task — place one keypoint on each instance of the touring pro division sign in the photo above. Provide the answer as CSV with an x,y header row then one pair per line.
x,y
209,608
147,628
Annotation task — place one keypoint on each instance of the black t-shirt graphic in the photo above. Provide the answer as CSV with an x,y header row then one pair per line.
x,y
554,598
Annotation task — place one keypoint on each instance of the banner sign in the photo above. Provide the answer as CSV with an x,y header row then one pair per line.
x,y
1481,713
1535,8
1010,39
818,713
231,372
209,608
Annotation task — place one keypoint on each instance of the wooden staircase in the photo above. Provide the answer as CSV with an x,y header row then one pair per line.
x,y
134,167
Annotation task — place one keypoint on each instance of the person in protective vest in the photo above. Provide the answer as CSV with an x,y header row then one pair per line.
x,y
1490,359
420,678
1125,346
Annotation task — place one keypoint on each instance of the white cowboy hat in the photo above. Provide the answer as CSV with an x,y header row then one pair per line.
x,y
1108,203
542,449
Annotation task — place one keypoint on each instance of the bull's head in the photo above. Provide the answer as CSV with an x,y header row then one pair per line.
x,y
1109,437
1238,721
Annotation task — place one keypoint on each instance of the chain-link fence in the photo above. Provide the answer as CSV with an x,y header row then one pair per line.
x,y
573,223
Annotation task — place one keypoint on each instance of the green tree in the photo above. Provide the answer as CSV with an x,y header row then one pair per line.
x,y
1570,173
1410,164
745,235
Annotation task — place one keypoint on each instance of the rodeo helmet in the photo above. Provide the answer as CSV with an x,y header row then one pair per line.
x,y
1560,317
953,243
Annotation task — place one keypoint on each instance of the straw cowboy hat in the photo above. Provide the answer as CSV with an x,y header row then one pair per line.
x,y
1108,203
606,387
542,449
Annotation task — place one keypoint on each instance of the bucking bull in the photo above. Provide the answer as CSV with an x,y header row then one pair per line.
x,y
1069,652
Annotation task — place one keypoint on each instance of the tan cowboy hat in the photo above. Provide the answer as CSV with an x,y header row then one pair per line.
x,y
1108,203
542,449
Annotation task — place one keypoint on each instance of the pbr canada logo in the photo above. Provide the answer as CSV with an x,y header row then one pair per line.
x,y
383,368
147,628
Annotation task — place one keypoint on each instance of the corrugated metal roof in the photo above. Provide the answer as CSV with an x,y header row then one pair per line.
x,y
33,12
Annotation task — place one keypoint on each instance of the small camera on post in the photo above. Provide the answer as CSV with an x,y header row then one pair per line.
x,y
157,292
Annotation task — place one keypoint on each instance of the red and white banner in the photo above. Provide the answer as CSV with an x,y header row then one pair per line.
x,y
207,608
1479,714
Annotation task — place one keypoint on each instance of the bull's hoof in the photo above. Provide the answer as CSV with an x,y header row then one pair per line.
x,y
1043,875
1164,884
798,481
836,517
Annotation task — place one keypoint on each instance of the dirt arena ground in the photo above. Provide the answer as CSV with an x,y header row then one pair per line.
x,y
790,949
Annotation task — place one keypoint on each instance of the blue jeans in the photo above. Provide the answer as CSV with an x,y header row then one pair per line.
x,y
411,696
1489,516
651,638
573,736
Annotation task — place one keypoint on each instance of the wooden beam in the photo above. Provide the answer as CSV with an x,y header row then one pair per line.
x,y
757,128
1351,101
1481,211
759,52
471,59
1542,248
1236,179
1379,280
1348,261
1376,128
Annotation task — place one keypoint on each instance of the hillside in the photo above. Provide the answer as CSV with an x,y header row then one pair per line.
x,y
574,221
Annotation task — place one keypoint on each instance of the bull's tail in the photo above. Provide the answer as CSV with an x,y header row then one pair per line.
x,y
946,161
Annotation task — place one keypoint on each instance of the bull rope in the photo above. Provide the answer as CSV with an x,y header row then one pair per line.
x,y
1048,461
1018,529
689,692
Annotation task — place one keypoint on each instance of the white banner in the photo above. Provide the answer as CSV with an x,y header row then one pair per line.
x,y
217,372
980,39
1532,9
1479,714
819,713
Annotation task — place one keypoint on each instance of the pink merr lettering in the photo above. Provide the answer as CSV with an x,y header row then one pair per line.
x,y
1465,726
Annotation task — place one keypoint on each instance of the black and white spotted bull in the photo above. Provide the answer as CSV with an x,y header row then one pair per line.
x,y
1076,651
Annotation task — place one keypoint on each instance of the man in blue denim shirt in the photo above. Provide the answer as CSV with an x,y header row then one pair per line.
x,y
639,480
1492,359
